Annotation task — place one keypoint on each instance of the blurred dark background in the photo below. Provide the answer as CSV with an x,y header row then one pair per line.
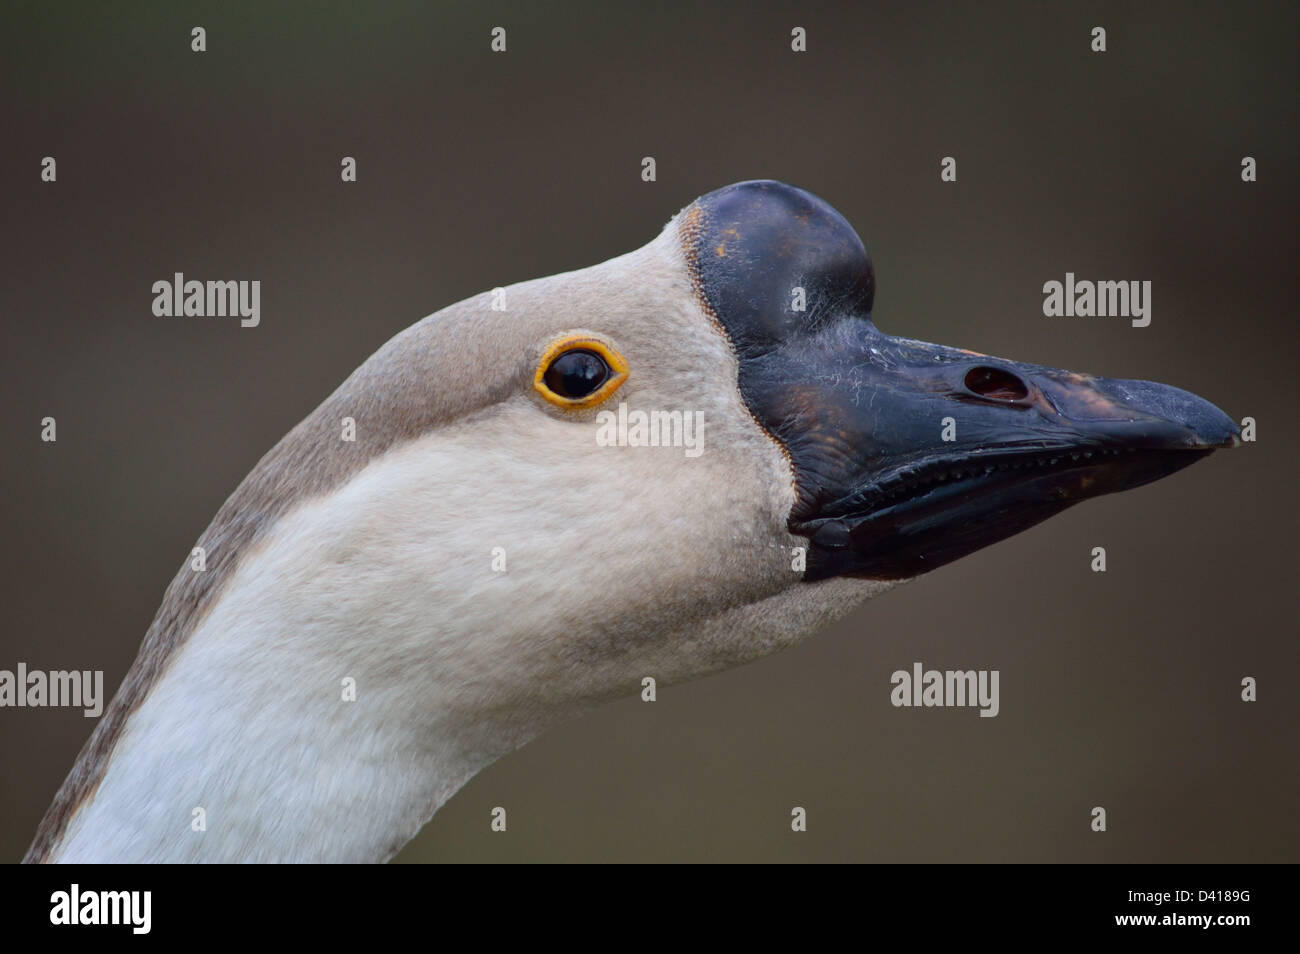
x,y
479,169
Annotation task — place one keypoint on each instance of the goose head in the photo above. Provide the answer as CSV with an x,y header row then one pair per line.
x,y
676,461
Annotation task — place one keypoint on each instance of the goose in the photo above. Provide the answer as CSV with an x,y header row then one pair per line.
x,y
381,617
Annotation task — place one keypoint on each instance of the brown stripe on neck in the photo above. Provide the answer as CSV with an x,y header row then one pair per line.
x,y
399,394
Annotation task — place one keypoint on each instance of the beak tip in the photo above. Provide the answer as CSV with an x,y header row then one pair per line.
x,y
1203,425
1215,430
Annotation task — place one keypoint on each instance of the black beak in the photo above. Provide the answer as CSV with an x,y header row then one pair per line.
x,y
909,455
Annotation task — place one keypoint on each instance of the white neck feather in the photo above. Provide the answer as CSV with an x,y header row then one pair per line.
x,y
455,664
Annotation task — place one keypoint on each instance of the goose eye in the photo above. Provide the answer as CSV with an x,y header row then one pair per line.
x,y
575,374
578,372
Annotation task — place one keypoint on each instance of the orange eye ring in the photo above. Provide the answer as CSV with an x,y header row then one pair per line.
x,y
577,371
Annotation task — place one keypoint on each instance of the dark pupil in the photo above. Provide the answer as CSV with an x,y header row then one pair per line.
x,y
576,374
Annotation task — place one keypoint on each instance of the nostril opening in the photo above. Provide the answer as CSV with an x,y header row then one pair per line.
x,y
996,384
